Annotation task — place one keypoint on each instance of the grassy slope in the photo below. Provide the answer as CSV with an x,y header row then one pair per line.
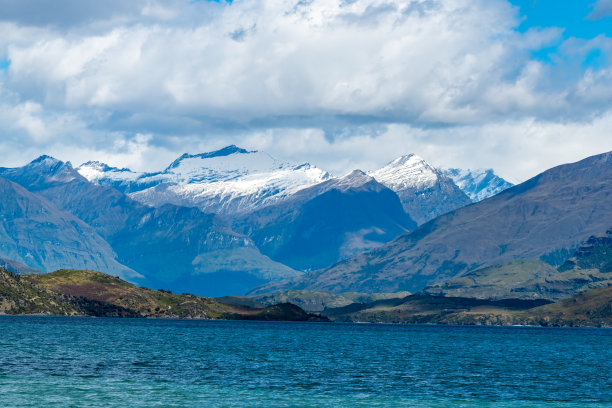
x,y
310,300
70,292
590,308
553,211
589,268
19,296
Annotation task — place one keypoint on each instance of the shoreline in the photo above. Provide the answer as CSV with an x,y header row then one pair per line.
x,y
306,321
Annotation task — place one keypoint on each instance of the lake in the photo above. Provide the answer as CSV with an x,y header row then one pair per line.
x,y
103,362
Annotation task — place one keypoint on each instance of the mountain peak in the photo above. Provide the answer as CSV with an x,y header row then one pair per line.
x,y
425,192
101,166
41,172
357,175
478,184
50,166
94,171
46,161
407,171
356,179
407,158
226,151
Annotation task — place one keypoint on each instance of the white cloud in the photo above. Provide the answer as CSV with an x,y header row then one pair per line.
x,y
425,67
342,84
517,150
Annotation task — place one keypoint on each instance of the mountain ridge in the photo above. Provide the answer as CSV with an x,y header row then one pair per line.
x,y
322,224
478,184
424,191
555,210
171,246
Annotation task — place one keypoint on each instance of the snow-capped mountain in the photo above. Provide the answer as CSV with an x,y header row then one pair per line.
x,y
323,224
42,172
124,180
478,184
425,192
226,181
52,217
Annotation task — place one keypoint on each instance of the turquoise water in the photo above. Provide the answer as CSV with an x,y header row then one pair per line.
x,y
89,362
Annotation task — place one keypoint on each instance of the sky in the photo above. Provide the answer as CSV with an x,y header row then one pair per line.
x,y
519,86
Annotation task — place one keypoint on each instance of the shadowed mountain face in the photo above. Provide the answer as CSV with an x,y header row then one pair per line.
x,y
551,213
328,222
17,267
174,247
35,233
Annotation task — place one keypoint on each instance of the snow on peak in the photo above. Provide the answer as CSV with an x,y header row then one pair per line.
x,y
45,158
227,180
478,184
95,171
45,161
409,171
226,164
356,179
51,169
226,151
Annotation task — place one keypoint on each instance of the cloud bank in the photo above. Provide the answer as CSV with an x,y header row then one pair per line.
x,y
340,83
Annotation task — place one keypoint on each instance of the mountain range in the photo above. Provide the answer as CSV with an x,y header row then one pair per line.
x,y
582,285
227,181
213,223
173,246
545,218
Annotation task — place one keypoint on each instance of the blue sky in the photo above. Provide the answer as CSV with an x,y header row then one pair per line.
x,y
519,86
575,18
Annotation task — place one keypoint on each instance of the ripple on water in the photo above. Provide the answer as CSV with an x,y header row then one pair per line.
x,y
89,362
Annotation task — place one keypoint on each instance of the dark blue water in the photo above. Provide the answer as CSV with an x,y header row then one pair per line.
x,y
88,362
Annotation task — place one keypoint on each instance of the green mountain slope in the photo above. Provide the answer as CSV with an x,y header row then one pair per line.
x,y
310,300
592,308
19,296
589,268
547,215
90,293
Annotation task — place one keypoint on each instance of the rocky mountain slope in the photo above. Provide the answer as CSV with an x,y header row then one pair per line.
x,y
478,184
19,296
545,217
36,233
328,222
425,192
173,247
589,268
17,267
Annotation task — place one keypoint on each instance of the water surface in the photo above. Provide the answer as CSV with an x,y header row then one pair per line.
x,y
89,362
